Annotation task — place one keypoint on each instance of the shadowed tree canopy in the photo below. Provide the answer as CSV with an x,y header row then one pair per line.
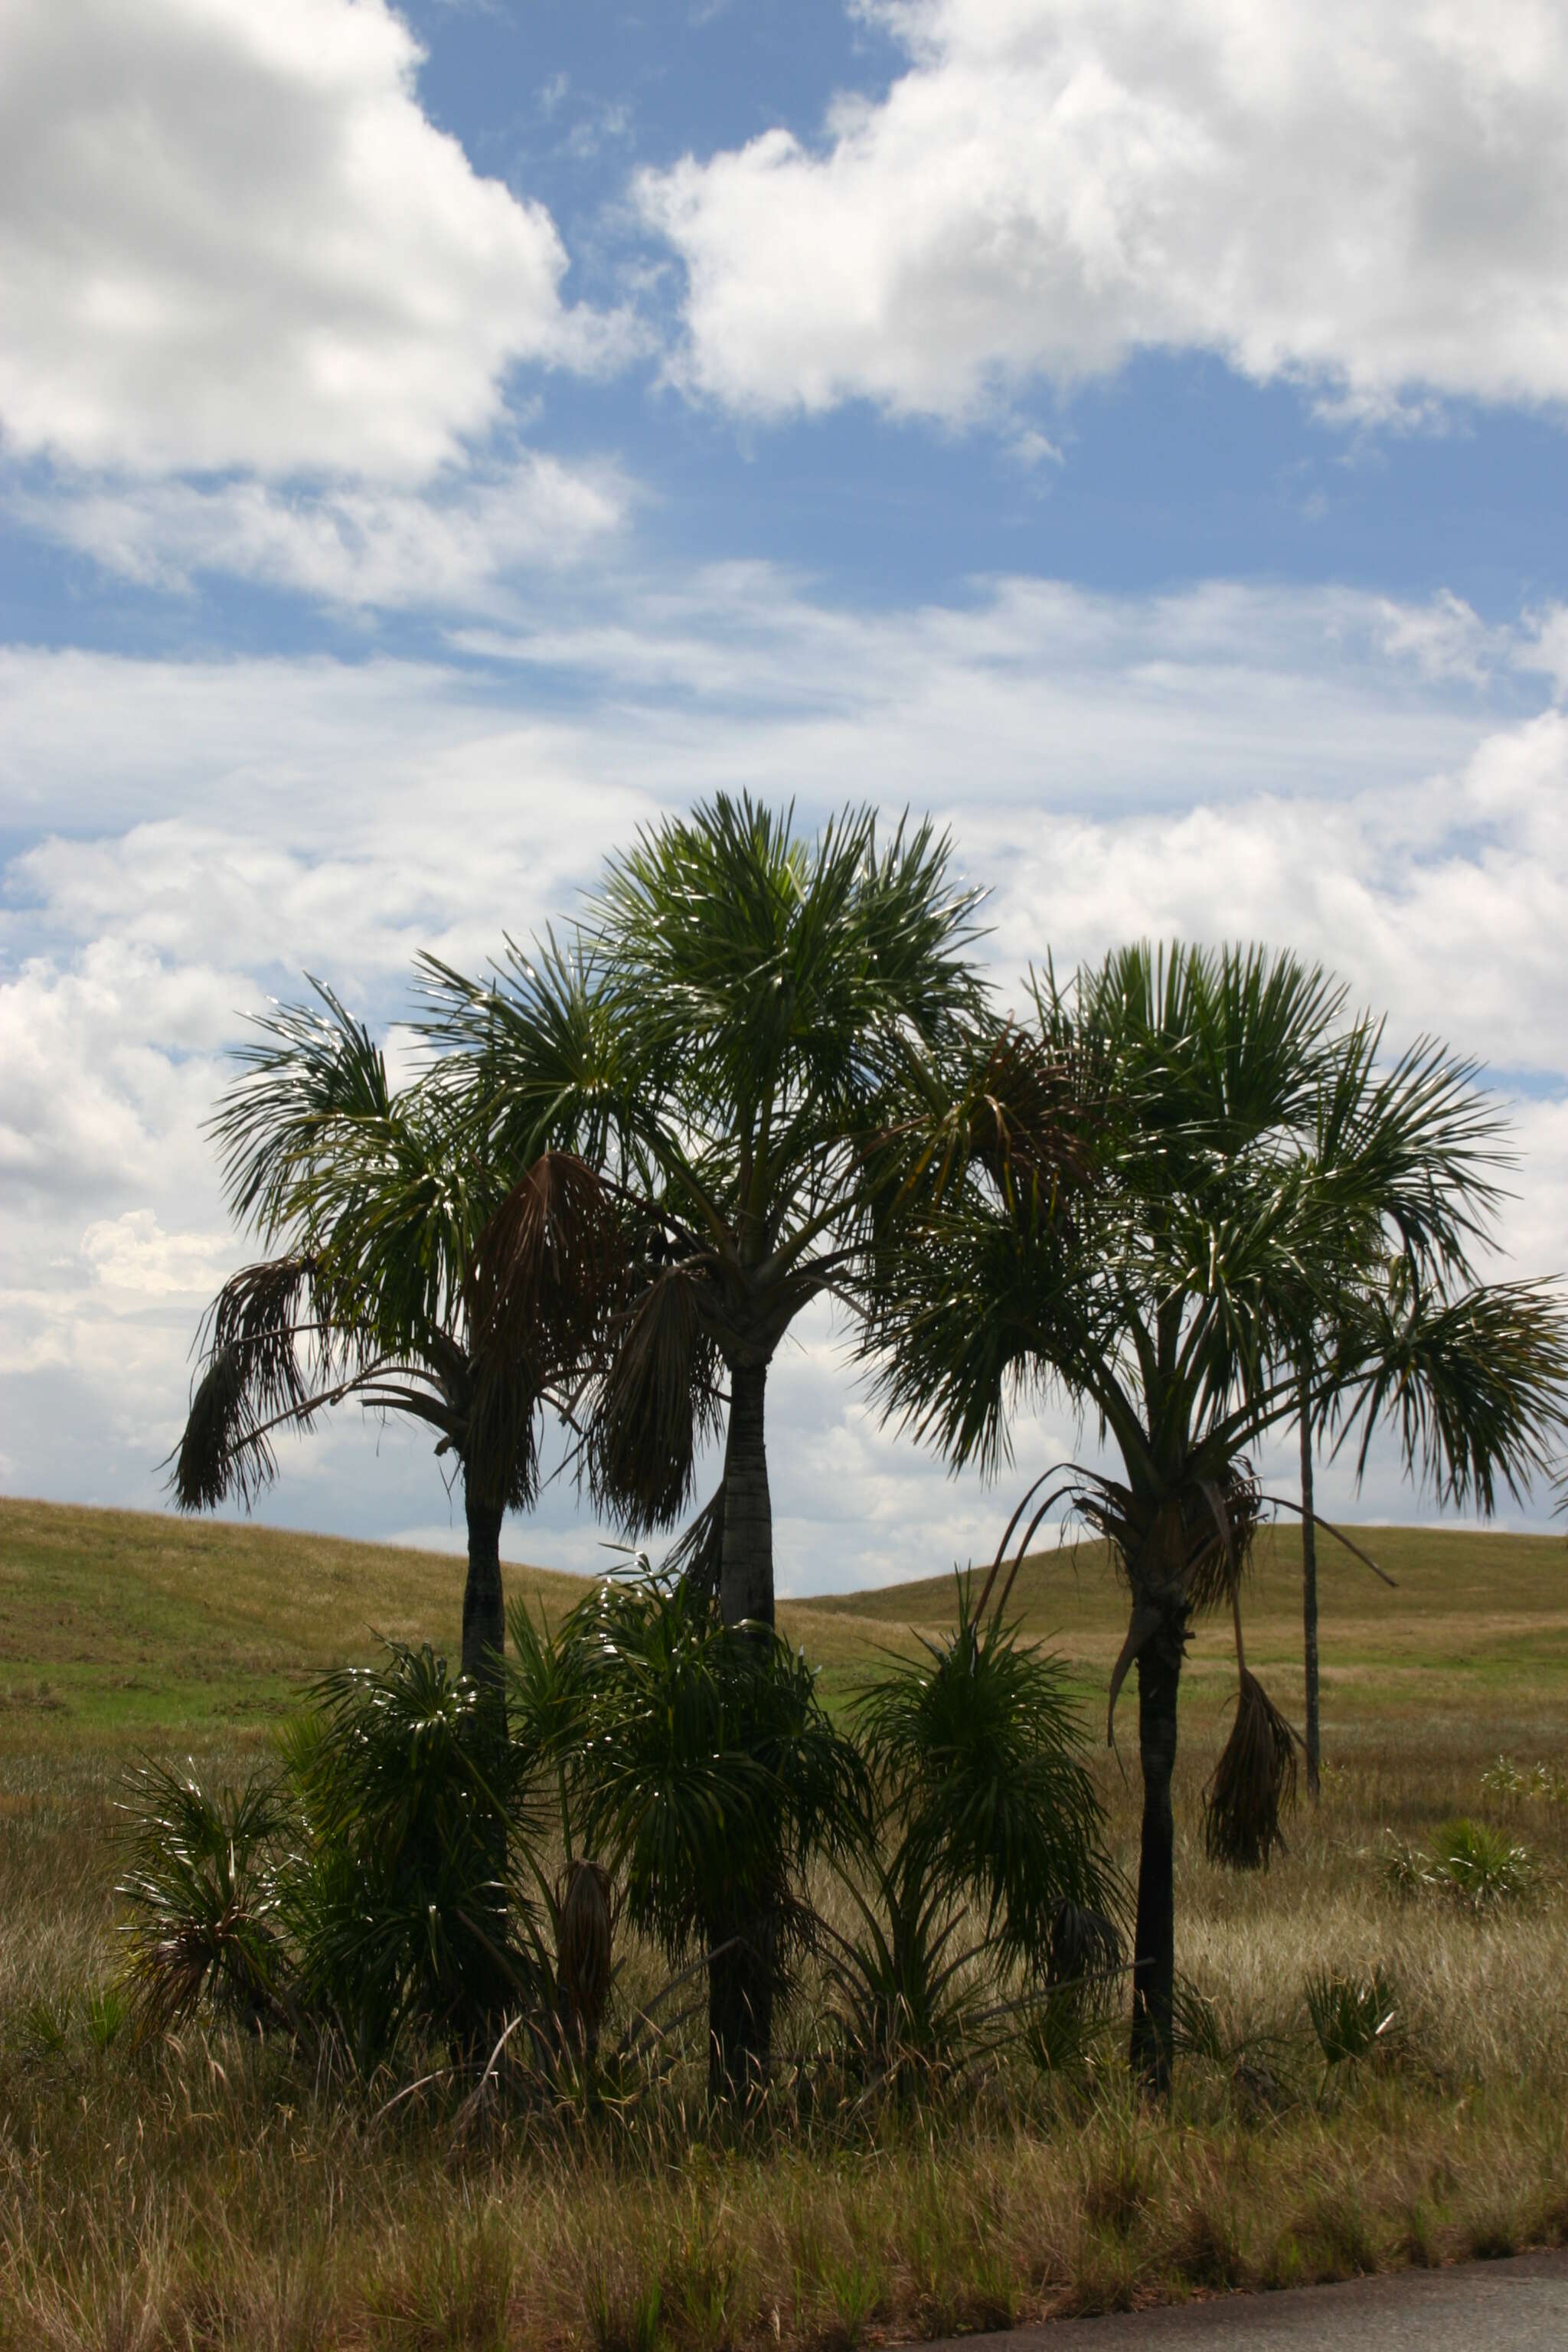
x,y
1141,1201
736,1015
392,1242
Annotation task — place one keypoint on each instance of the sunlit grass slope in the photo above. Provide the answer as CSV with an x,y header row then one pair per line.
x,y
137,1623
136,1626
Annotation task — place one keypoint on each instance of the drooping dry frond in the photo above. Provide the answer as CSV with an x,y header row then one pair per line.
x,y
264,1337
656,1403
697,1556
210,1463
1028,1116
545,1267
1252,1784
582,1949
256,1318
1190,1547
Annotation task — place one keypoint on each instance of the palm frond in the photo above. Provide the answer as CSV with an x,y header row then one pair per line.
x,y
268,1348
656,1404
1252,1784
546,1266
1475,1385
979,1745
307,1069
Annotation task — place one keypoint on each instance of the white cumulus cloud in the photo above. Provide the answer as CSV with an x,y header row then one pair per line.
x,y
1370,193
229,237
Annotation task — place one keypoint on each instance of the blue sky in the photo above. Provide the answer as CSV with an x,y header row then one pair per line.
x,y
435,441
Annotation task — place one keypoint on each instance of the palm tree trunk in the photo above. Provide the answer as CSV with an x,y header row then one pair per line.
x,y
484,1616
739,2008
1309,1600
746,1567
1155,1937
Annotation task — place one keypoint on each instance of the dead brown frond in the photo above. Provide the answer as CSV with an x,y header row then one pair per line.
x,y
211,1462
656,1404
548,1267
1219,1554
583,1949
264,1332
1253,1783
1027,1122
260,1316
698,1553
1189,1548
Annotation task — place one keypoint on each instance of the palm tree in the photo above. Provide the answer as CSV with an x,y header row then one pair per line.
x,y
724,1036
392,1244
1126,1202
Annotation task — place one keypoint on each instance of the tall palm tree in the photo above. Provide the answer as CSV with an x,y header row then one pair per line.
x,y
391,1243
726,1033
1133,1206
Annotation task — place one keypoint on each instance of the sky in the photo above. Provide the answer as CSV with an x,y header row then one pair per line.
x,y
435,441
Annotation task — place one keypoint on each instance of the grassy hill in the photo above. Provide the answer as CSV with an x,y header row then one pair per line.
x,y
139,1628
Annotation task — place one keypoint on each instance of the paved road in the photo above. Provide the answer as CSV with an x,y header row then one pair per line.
x,y
1519,2306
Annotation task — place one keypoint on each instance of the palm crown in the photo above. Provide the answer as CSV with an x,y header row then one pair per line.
x,y
392,1241
722,1037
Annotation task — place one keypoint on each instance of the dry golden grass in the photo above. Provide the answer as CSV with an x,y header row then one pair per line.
x,y
217,2192
214,2192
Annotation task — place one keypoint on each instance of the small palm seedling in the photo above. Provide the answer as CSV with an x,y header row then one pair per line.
x,y
1484,1867
1406,1871
404,1907
107,2012
46,2024
1351,2016
705,1775
981,1810
202,1884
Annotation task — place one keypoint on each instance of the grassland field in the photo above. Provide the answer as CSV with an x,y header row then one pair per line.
x,y
134,1628
207,2192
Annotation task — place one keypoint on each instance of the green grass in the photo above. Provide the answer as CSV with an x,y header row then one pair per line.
x,y
136,1627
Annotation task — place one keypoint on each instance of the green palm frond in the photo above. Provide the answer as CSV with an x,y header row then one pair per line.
x,y
532,1058
308,1070
1475,1385
979,1747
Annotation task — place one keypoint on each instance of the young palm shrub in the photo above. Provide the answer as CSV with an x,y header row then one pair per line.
x,y
1484,1868
700,1769
1351,2016
404,1905
983,1853
202,1881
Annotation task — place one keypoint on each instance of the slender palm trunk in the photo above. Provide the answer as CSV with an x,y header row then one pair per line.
x,y
740,1979
741,1982
747,1568
1310,1600
484,1618
1155,1937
